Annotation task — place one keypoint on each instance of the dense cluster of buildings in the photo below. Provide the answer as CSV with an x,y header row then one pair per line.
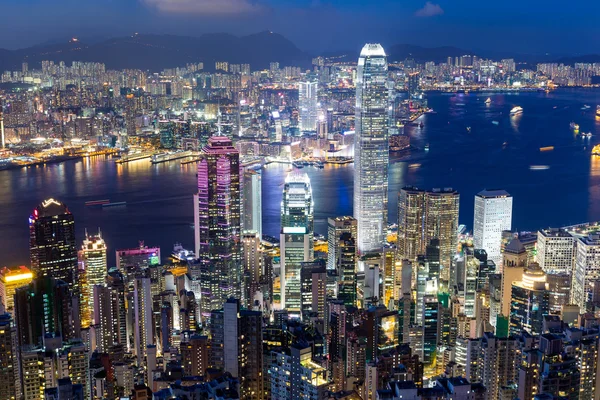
x,y
423,311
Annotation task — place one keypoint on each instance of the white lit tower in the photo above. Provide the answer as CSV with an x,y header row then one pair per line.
x,y
371,151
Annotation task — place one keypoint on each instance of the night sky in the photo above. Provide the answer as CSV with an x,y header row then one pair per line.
x,y
522,26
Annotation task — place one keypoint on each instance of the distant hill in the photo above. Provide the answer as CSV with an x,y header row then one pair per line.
x,y
156,52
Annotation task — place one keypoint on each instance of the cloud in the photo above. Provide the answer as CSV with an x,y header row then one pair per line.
x,y
429,10
205,7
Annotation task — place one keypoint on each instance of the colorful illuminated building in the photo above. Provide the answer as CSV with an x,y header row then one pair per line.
x,y
12,278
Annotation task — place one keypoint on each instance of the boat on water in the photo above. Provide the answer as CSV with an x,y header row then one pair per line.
x,y
414,166
96,202
516,110
427,147
539,167
117,204
574,126
468,129
488,101
586,135
547,148
495,122
596,150
421,124
586,107
181,254
598,111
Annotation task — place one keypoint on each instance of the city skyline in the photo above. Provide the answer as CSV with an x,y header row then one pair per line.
x,y
342,228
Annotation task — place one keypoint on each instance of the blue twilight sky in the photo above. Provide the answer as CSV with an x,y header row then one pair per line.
x,y
524,26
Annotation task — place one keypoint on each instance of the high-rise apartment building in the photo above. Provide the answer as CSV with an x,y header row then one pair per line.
x,y
371,149
252,201
252,265
217,222
143,322
52,242
555,251
296,238
308,100
492,215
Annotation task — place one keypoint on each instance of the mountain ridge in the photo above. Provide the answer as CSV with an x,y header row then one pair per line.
x,y
155,52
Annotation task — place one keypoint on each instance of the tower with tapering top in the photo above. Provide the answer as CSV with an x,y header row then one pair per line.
x,y
371,148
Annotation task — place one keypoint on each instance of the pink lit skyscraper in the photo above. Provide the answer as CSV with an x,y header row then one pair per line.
x,y
217,223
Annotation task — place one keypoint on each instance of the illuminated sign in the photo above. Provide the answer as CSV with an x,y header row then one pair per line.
x,y
49,202
294,229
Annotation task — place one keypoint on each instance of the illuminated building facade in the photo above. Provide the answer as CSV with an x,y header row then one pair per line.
x,y
530,301
92,257
308,101
52,242
217,222
346,269
555,251
137,258
492,216
426,215
252,202
586,273
371,151
12,278
8,364
296,238
335,228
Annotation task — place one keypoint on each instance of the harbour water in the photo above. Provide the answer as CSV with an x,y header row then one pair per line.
x,y
472,146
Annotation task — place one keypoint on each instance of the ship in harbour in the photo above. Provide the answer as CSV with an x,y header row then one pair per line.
x,y
516,110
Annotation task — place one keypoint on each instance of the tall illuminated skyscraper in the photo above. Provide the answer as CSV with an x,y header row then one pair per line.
x,y
493,214
296,239
426,215
252,202
93,259
217,222
371,148
336,227
52,242
307,97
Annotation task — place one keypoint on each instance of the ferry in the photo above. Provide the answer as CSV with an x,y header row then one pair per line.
x,y
574,126
414,166
164,157
539,167
495,122
547,148
586,135
516,110
97,202
488,101
596,150
427,147
181,254
586,107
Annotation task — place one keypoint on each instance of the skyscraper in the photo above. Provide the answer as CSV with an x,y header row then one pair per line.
x,y
217,221
371,152
12,278
52,242
493,214
252,205
93,257
555,251
426,215
586,272
296,239
336,227
8,374
529,301
307,97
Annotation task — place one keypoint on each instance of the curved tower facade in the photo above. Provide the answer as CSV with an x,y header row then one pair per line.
x,y
371,148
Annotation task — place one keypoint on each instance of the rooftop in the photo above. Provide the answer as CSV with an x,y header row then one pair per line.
x,y
372,50
493,193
